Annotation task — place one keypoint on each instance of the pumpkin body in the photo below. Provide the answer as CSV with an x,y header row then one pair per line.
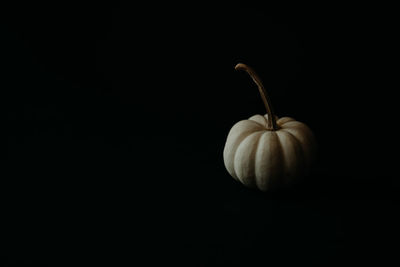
x,y
266,159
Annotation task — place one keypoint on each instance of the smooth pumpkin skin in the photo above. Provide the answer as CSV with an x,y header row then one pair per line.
x,y
267,159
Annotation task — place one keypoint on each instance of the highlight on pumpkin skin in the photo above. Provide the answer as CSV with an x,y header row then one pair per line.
x,y
267,102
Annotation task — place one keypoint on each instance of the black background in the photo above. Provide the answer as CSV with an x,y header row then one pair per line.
x,y
116,116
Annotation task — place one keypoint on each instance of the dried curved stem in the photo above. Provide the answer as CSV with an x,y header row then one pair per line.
x,y
271,122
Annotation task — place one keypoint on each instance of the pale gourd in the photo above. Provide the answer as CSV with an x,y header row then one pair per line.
x,y
267,152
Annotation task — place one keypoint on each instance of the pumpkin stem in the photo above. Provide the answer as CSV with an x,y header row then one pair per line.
x,y
271,122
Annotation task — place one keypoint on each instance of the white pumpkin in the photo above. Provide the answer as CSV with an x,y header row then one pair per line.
x,y
266,152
